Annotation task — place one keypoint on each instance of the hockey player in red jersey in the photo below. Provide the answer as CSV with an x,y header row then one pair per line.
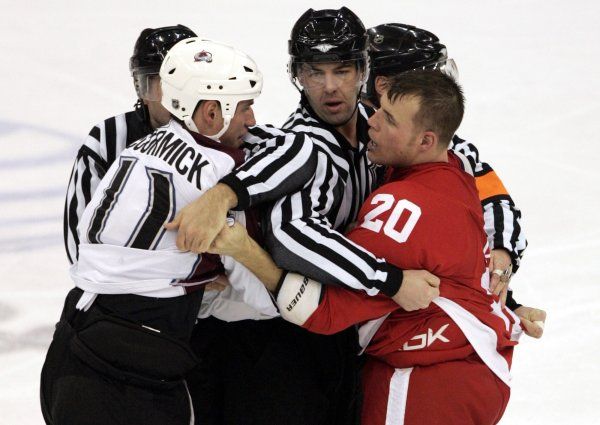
x,y
444,364
395,48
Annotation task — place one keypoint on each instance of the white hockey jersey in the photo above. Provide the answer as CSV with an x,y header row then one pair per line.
x,y
124,247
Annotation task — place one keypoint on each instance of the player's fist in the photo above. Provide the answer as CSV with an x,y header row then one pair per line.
x,y
232,241
199,222
532,320
418,289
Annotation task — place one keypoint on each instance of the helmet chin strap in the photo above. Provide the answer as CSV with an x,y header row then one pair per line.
x,y
226,122
189,123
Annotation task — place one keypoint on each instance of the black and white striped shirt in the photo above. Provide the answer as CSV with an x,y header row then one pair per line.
x,y
304,228
103,144
501,215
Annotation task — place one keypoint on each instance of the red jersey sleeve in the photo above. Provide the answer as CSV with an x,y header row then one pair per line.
x,y
341,308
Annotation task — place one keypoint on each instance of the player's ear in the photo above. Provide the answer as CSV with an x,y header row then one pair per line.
x,y
429,140
380,84
212,110
208,112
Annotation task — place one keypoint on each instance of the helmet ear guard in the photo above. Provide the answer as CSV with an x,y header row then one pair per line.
x,y
196,69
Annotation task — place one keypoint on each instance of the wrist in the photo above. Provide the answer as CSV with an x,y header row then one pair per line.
x,y
245,250
238,192
225,196
394,280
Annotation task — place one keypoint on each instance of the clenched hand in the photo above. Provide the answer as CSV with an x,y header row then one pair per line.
x,y
418,289
199,222
499,262
532,320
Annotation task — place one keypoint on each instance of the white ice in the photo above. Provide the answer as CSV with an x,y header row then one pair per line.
x,y
530,74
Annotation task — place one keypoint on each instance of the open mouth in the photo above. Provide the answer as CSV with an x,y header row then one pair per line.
x,y
334,106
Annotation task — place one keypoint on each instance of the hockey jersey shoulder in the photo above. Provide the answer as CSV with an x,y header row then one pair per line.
x,y
201,162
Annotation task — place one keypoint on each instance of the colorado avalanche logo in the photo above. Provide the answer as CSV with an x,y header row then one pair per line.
x,y
203,56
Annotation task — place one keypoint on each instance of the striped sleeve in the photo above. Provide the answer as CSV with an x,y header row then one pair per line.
x,y
302,240
100,148
279,163
502,217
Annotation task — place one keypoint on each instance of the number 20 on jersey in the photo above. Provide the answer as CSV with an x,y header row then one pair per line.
x,y
385,202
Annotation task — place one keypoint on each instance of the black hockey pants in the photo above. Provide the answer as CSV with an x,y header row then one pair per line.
x,y
102,369
271,372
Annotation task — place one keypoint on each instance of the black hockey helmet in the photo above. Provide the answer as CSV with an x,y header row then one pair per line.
x,y
150,49
152,46
328,35
396,48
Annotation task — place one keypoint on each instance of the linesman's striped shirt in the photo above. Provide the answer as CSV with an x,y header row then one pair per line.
x,y
304,228
501,215
103,144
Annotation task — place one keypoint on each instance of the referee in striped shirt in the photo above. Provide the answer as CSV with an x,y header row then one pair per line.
x,y
109,138
311,178
317,177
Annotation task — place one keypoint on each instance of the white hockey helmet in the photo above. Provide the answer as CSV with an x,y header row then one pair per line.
x,y
196,69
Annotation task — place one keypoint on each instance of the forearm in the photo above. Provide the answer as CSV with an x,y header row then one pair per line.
x,y
283,165
224,195
327,309
260,263
310,247
88,170
501,215
503,228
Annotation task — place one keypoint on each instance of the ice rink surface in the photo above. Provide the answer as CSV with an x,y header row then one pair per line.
x,y
530,74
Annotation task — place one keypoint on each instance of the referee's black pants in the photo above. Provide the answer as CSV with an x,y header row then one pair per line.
x,y
271,372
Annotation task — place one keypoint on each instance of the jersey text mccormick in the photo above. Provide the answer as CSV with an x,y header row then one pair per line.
x,y
186,160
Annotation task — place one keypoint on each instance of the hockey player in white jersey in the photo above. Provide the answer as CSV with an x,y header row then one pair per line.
x,y
121,348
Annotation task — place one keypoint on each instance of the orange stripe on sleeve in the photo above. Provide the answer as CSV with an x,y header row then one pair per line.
x,y
490,185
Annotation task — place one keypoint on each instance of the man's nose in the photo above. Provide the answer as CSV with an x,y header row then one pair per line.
x,y
331,83
250,120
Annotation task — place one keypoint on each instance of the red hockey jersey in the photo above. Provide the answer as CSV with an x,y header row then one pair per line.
x,y
427,217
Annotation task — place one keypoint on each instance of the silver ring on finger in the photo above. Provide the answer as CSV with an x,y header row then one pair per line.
x,y
506,274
